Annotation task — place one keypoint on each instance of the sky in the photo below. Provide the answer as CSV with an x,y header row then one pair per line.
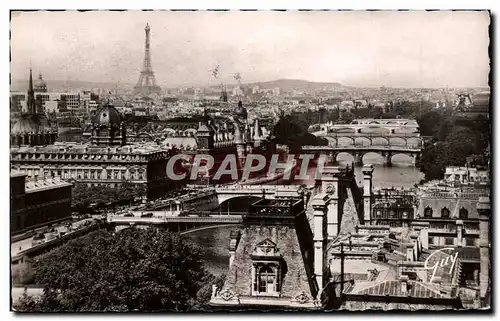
x,y
356,48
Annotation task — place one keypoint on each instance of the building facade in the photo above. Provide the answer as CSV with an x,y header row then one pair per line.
x,y
37,202
107,160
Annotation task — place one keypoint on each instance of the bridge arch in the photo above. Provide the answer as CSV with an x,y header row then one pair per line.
x,y
345,141
397,141
363,141
372,158
346,157
374,122
236,202
402,158
380,141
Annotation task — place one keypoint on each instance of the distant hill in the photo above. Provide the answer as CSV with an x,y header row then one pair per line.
x,y
289,84
294,84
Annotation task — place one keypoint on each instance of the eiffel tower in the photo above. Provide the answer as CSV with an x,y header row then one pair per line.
x,y
147,82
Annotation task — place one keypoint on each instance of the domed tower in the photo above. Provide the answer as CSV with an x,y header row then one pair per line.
x,y
40,86
108,128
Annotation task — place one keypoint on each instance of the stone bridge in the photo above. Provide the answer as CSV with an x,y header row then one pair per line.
x,y
346,139
366,132
357,152
363,126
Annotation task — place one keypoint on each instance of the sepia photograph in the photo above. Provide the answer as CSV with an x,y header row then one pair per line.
x,y
235,161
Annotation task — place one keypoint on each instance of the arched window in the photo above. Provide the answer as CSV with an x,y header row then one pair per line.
x,y
445,212
428,212
463,213
267,279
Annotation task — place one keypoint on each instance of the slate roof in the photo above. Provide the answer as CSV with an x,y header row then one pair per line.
x,y
393,288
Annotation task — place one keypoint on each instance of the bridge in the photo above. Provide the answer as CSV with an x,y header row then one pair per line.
x,y
227,192
387,126
365,132
366,139
357,152
183,222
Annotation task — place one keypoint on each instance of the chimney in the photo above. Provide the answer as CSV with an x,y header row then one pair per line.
x,y
409,254
319,205
404,284
424,238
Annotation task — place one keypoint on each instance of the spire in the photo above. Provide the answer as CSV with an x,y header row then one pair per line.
x,y
257,132
246,135
30,103
237,135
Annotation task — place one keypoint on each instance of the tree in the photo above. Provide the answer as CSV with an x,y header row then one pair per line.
x,y
375,112
428,122
132,270
292,131
102,196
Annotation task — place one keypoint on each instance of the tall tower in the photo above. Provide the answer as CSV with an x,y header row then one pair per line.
x,y
30,102
147,82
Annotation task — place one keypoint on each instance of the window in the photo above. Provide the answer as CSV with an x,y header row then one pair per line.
x,y
266,280
445,212
428,212
449,241
463,213
470,242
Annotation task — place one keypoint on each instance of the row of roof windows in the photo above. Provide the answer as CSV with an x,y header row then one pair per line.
x,y
463,213
77,156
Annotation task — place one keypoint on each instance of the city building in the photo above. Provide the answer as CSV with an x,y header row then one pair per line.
x,y
466,175
37,202
228,134
106,160
271,263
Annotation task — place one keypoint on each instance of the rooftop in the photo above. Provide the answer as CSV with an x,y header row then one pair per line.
x,y
40,185
79,148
